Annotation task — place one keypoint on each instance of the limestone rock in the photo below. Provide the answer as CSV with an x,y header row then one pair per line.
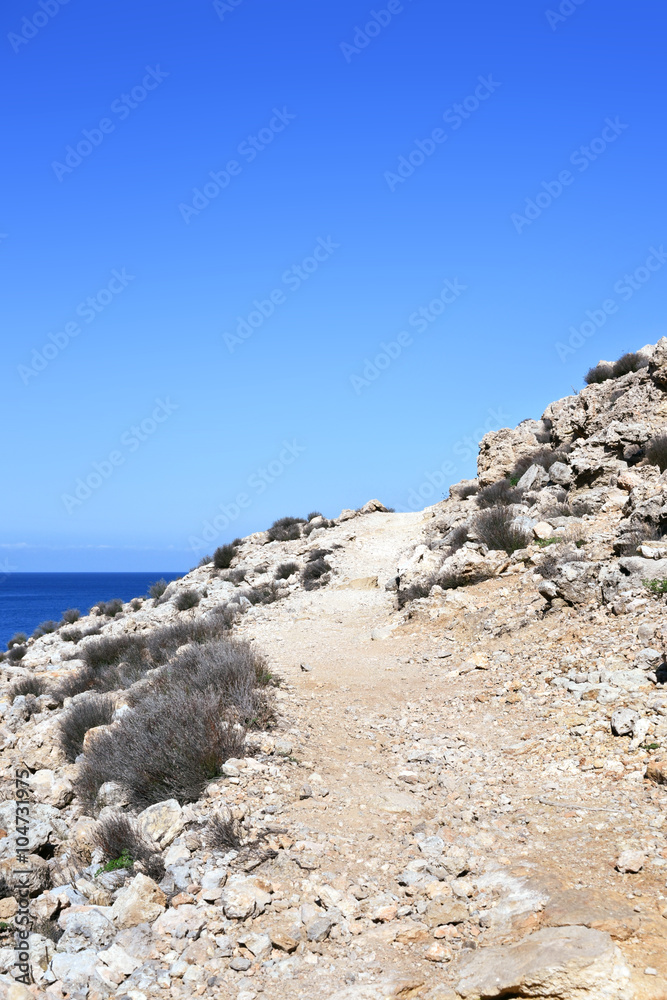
x,y
75,970
52,789
372,506
656,770
242,898
630,862
162,822
623,721
85,927
571,963
140,901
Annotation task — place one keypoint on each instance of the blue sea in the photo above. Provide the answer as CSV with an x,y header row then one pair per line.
x,y
27,599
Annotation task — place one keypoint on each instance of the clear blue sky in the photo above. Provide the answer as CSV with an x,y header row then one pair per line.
x,y
368,166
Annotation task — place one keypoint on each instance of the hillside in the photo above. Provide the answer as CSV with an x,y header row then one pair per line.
x,y
427,760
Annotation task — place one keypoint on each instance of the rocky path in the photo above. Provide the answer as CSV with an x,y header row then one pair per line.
x,y
438,773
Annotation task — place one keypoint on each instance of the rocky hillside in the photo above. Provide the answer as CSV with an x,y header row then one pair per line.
x,y
383,756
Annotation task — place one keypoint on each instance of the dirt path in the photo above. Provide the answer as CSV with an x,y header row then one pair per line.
x,y
398,744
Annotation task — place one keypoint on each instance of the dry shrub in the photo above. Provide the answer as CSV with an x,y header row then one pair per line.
x,y
656,452
120,838
223,555
223,833
500,494
188,719
495,528
27,685
234,575
285,529
546,457
186,599
315,574
96,710
286,570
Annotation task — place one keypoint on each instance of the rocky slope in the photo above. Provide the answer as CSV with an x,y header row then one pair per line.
x,y
462,790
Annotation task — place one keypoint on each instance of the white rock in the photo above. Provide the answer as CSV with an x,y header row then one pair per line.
x,y
623,721
533,478
118,961
570,963
630,862
162,822
140,901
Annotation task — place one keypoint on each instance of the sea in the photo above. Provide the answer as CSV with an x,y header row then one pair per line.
x,y
27,599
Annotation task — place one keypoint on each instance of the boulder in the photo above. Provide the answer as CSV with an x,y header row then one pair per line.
x,y
162,822
52,789
140,901
111,795
85,927
75,970
533,478
560,473
372,506
577,582
243,898
568,963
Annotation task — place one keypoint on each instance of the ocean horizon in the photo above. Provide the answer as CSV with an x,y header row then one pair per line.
x,y
27,599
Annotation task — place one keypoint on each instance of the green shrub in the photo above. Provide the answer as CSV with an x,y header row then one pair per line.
x,y
656,586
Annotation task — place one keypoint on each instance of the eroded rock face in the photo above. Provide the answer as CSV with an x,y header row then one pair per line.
x,y
571,963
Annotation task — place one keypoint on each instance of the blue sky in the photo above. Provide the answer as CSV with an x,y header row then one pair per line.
x,y
217,218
